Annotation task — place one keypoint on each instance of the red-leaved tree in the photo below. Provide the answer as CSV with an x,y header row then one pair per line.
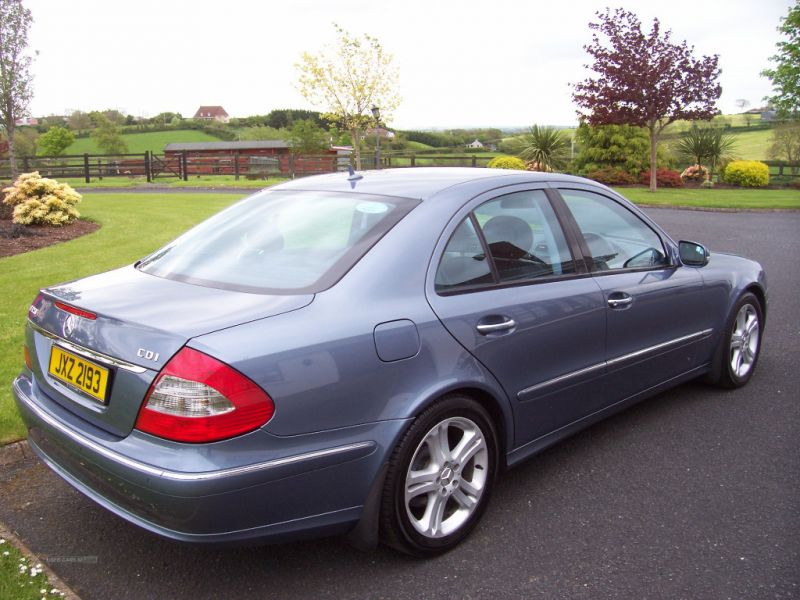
x,y
643,79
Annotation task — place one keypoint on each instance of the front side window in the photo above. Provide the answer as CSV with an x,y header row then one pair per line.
x,y
279,242
616,238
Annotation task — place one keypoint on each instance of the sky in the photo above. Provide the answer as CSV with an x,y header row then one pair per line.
x,y
461,63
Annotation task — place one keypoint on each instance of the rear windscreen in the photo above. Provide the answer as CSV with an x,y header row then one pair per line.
x,y
279,241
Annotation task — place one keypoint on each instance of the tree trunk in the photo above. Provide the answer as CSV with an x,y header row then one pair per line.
x,y
12,154
355,136
653,157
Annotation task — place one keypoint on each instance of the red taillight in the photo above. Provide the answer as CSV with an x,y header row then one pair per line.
x,y
196,398
76,311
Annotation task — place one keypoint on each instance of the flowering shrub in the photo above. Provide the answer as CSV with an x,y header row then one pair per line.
x,y
694,174
612,176
664,178
747,173
506,162
40,201
533,165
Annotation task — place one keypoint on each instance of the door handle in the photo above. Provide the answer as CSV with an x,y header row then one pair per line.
x,y
620,300
492,327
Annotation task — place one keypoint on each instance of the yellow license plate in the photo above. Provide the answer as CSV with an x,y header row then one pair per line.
x,y
79,373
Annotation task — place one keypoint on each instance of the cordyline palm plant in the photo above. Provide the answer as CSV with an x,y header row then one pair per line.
x,y
707,146
545,147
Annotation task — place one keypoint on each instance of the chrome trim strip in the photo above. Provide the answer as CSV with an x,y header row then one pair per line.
x,y
90,354
560,378
661,346
613,361
176,475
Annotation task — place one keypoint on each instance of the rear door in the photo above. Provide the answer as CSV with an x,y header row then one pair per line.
x,y
656,310
509,287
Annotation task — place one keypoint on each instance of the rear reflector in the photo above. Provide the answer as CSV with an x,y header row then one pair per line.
x,y
196,398
76,311
35,307
27,354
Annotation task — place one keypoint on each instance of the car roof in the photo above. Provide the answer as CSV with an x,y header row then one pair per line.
x,y
417,182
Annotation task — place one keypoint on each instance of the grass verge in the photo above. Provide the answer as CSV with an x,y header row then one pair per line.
x,y
132,226
20,580
714,198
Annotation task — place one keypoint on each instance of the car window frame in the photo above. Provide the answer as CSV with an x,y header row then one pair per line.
x,y
467,211
667,243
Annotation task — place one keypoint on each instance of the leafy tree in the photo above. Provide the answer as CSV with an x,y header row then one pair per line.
x,y
786,144
785,75
263,133
547,147
285,117
109,138
114,116
348,79
306,137
79,121
15,77
56,140
25,141
617,146
644,80
708,146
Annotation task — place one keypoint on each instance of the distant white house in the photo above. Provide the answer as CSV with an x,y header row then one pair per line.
x,y
476,144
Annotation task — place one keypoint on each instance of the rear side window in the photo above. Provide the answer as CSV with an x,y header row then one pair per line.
x,y
524,241
279,242
464,262
524,237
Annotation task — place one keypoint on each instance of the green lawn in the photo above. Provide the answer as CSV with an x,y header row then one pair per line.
x,y
133,225
195,181
714,198
141,142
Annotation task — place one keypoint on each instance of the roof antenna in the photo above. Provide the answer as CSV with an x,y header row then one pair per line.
x,y
353,175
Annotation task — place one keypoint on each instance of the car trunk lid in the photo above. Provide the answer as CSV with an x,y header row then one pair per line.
x,y
130,324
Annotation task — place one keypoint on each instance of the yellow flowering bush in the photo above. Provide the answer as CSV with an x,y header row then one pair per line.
x,y
37,200
506,162
747,173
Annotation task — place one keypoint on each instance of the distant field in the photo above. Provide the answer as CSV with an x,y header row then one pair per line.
x,y
753,145
141,142
418,146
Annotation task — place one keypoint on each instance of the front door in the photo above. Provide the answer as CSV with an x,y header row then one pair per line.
x,y
653,306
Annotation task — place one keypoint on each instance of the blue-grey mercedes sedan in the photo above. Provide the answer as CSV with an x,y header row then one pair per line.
x,y
366,353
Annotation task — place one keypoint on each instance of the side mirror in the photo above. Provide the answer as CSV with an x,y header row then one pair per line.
x,y
693,254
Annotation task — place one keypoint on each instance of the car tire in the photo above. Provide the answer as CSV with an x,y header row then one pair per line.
x,y
740,345
440,478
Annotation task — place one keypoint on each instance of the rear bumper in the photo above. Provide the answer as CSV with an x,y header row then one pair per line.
x,y
314,486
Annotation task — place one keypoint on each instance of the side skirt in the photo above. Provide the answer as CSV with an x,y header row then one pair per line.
x,y
527,450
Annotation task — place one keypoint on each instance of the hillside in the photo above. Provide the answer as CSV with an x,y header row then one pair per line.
x,y
140,142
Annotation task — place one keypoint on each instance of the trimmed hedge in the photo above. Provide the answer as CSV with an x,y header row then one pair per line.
x,y
612,176
746,173
664,178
